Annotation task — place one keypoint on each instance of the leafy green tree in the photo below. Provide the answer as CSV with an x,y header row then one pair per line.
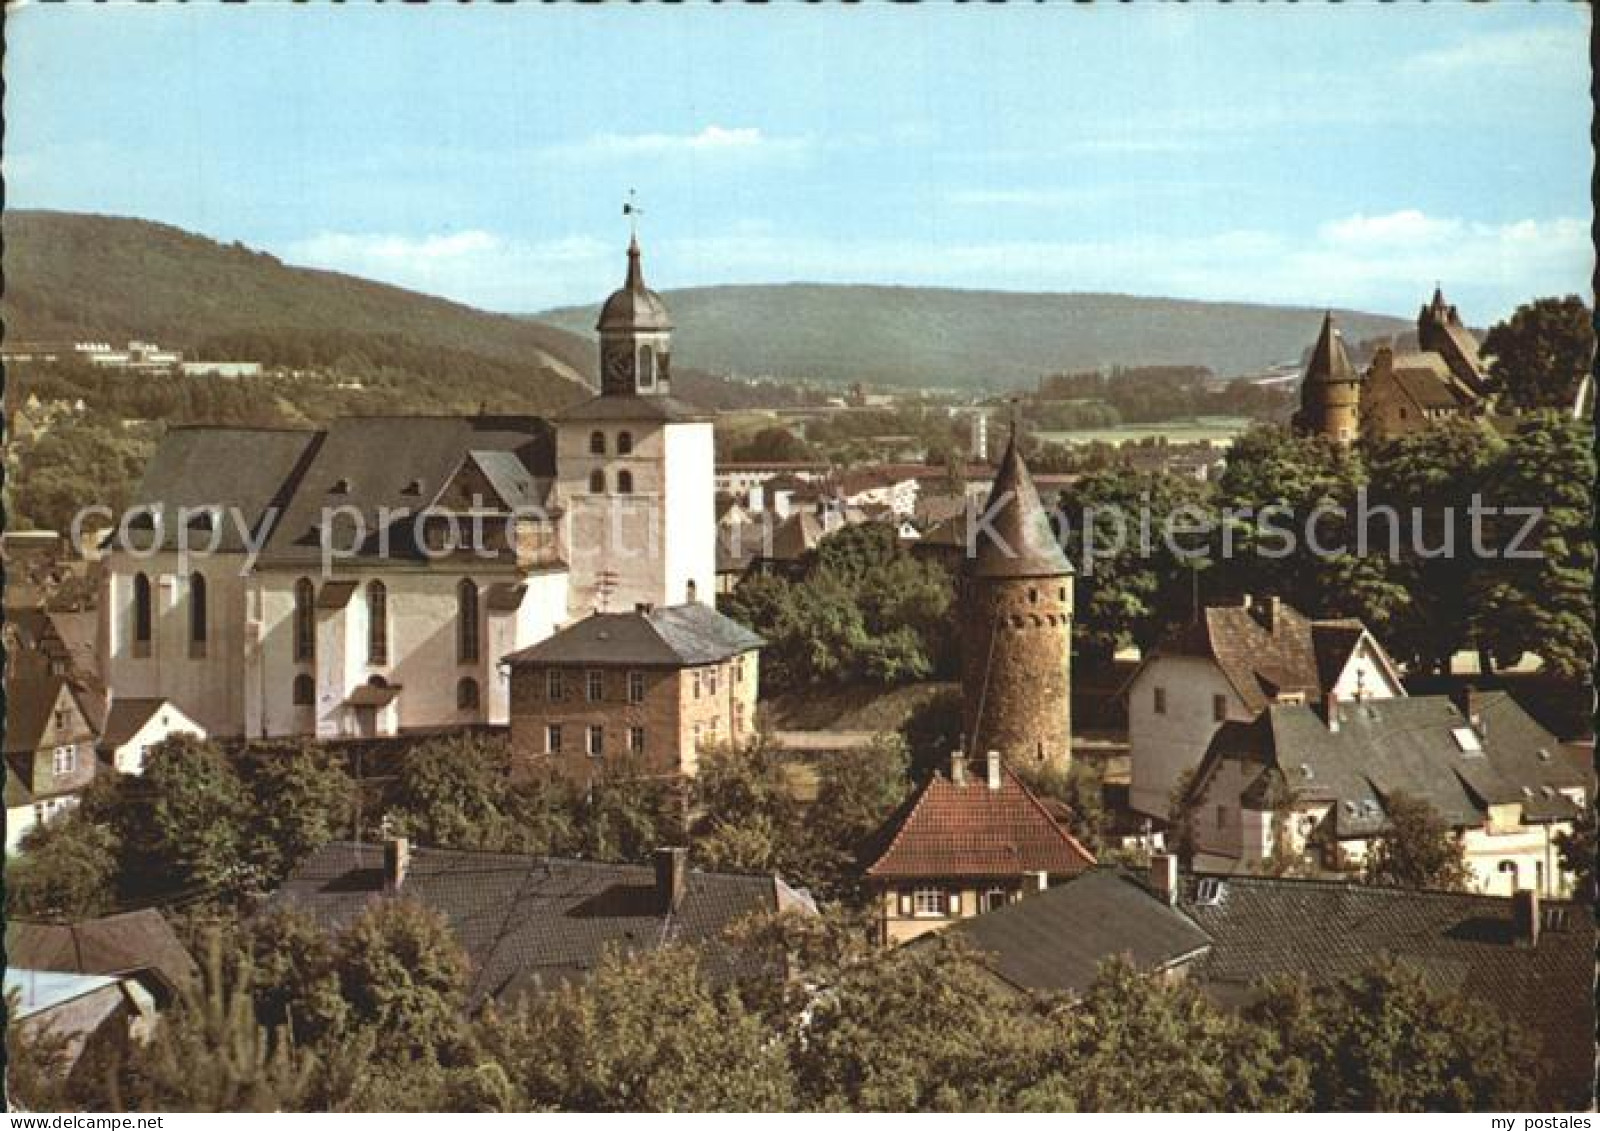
x,y
1578,850
448,794
629,812
747,818
1540,354
67,870
1541,600
857,791
921,1028
1079,787
37,1058
645,1033
182,824
405,975
302,797
1416,849
775,443
296,987
210,1054
1384,1040
1134,1043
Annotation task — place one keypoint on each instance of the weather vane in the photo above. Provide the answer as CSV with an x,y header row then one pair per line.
x,y
631,209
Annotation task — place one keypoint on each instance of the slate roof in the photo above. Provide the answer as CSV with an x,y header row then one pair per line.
x,y
114,944
364,463
531,922
125,719
634,306
1324,930
243,471
1022,543
1329,363
666,636
31,693
1389,746
1055,941
950,830
644,407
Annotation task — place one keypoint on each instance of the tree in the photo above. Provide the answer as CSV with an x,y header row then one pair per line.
x,y
182,823
296,986
1578,849
1134,1043
747,818
1416,849
605,1045
857,791
1540,354
67,870
37,1058
210,1054
405,975
1080,787
448,794
775,443
1384,1040
302,797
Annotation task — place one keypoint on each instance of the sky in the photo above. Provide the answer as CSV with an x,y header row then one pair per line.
x,y
1344,155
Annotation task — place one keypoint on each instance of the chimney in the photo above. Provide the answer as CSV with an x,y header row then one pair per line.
x,y
1525,916
396,863
1164,877
994,769
672,878
958,767
1330,708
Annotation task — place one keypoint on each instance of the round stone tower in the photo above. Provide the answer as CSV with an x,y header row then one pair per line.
x,y
1016,604
1330,394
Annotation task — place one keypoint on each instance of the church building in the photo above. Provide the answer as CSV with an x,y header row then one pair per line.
x,y
369,577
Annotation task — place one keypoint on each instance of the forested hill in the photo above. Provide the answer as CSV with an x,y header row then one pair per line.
x,y
74,276
981,340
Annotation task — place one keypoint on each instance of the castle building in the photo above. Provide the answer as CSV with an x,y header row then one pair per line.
x,y
1016,601
1402,391
1330,395
368,577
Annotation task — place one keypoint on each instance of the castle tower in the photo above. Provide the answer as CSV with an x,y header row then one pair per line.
x,y
635,469
1016,602
1441,331
1330,394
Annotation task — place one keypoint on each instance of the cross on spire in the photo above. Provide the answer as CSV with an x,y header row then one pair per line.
x,y
631,209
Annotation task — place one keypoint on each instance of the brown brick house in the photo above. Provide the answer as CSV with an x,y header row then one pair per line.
x,y
656,684
967,843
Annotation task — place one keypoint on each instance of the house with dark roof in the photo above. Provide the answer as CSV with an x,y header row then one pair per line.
x,y
1057,941
965,844
1228,666
1316,782
133,726
1530,961
532,923
648,688
1443,379
51,727
133,942
366,578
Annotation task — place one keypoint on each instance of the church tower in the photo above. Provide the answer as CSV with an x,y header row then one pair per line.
x,y
1016,601
635,469
1330,394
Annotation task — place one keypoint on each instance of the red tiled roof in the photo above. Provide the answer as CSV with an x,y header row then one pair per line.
x,y
972,830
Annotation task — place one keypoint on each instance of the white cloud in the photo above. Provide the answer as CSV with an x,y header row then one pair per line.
x,y
1386,262
1534,50
712,141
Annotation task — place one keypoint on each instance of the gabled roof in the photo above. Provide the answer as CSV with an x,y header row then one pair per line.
x,y
668,636
128,716
1324,930
950,830
1054,942
532,922
32,693
113,944
1017,539
1412,746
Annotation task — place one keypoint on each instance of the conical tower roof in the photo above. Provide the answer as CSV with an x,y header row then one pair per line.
x,y
1329,362
1012,537
634,306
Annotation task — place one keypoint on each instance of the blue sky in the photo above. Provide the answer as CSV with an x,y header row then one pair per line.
x,y
1345,155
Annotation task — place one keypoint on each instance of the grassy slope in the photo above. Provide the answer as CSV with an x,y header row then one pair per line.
x,y
973,339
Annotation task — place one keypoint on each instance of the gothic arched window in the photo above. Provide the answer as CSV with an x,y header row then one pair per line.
x,y
597,482
597,443
377,623
305,621
141,613
467,622
624,482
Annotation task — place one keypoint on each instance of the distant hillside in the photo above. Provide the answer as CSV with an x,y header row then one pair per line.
x,y
973,339
107,278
